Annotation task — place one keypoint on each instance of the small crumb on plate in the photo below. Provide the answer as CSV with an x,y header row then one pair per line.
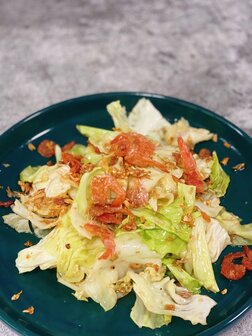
x,y
16,296
31,146
224,291
227,144
224,161
29,310
239,166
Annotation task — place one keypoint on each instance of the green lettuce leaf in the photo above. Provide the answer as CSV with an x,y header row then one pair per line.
x,y
78,150
163,242
28,174
219,180
169,217
86,152
132,248
164,222
97,136
187,194
184,203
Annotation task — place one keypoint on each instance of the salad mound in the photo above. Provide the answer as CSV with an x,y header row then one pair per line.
x,y
133,210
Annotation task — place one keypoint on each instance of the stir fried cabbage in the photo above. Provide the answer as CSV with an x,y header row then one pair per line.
x,y
131,211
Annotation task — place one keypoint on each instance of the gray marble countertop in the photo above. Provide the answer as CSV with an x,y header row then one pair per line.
x,y
198,51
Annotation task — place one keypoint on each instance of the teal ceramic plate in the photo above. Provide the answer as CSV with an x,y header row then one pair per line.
x,y
57,312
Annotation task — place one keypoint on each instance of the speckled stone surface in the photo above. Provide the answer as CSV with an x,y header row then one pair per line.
x,y
195,50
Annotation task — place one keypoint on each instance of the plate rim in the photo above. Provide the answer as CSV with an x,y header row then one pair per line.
x,y
213,330
143,94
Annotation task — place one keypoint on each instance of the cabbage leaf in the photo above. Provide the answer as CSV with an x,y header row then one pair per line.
x,y
241,234
119,116
97,136
144,318
163,242
201,260
165,298
219,180
185,279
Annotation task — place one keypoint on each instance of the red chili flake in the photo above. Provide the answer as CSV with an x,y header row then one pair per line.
x,y
6,204
205,217
68,146
46,148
